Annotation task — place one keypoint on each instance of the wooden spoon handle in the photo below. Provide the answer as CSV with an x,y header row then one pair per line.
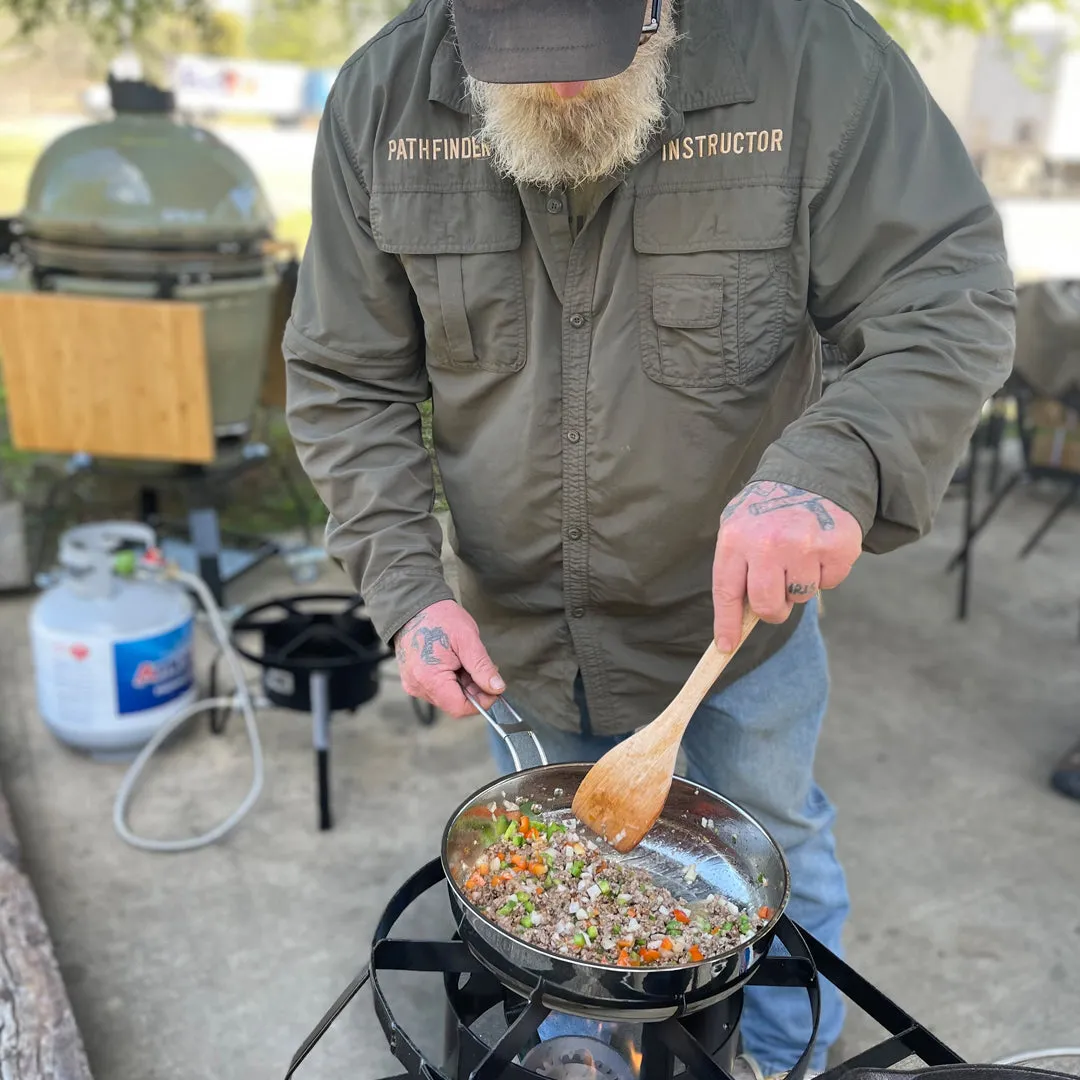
x,y
709,669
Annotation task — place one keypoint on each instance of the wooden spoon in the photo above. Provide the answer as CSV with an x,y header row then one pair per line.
x,y
623,794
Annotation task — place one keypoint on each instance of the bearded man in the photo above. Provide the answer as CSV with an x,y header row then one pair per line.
x,y
607,241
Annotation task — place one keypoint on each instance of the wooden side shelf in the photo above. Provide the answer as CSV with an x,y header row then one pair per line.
x,y
106,377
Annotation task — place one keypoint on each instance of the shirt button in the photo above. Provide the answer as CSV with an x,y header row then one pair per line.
x,y
554,206
574,534
578,612
577,321
573,436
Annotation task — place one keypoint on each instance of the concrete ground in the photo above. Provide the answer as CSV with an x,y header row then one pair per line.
x,y
964,867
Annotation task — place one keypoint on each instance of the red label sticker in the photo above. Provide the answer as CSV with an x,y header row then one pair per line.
x,y
80,652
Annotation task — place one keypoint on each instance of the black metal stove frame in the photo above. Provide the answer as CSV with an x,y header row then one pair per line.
x,y
662,1041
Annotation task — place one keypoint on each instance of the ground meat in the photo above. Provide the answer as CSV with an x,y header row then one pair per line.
x,y
558,890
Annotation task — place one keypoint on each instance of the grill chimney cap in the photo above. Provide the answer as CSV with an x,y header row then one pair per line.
x,y
139,96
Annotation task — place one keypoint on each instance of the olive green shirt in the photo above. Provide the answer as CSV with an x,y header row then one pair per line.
x,y
599,396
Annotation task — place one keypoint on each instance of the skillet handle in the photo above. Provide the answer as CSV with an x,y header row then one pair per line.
x,y
515,726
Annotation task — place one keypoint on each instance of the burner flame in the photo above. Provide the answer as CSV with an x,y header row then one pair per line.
x,y
578,1057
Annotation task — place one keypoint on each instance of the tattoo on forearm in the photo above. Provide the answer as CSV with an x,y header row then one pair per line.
x,y
781,497
801,590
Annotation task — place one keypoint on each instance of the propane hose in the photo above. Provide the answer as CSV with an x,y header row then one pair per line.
x,y
241,700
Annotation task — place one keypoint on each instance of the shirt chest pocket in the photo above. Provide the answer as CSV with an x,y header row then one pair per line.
x,y
714,283
462,254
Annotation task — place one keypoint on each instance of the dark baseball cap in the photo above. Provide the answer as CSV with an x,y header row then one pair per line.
x,y
531,41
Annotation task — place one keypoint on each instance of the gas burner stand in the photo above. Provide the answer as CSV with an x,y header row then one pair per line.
x,y
705,1041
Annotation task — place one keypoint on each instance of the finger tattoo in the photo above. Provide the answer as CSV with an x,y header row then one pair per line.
x,y
795,589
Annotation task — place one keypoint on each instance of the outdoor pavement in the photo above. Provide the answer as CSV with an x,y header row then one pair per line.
x,y
964,867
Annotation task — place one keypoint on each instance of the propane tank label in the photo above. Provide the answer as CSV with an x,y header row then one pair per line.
x,y
152,671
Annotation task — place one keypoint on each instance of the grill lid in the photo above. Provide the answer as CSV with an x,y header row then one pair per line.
x,y
145,180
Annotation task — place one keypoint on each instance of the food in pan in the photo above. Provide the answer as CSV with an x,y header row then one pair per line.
x,y
551,886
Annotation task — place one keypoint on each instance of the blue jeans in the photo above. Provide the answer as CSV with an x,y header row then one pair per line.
x,y
754,743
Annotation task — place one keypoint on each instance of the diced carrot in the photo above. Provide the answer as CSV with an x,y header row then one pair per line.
x,y
632,912
519,861
696,954
649,955
668,944
539,890
523,824
482,869
764,912
624,959
624,945
474,882
680,916
538,869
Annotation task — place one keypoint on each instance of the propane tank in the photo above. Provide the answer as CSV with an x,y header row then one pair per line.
x,y
113,658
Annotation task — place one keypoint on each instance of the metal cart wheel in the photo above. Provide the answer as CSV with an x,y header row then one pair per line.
x,y
424,710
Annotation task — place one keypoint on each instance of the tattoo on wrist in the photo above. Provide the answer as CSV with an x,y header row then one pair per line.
x,y
781,497
801,590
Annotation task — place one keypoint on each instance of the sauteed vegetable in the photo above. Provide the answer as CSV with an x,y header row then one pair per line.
x,y
549,885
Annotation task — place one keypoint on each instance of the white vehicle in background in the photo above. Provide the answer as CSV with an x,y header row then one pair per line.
x,y
207,87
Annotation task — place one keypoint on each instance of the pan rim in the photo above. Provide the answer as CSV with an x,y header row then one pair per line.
x,y
768,929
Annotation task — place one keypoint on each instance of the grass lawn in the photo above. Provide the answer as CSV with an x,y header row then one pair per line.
x,y
17,156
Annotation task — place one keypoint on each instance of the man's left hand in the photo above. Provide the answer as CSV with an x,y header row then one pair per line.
x,y
778,546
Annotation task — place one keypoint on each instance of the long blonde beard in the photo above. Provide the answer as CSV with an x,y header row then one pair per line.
x,y
538,138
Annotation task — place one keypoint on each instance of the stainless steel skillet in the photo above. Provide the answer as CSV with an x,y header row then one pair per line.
x,y
732,853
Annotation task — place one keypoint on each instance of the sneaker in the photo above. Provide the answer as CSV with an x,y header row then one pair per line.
x,y
1066,776
747,1068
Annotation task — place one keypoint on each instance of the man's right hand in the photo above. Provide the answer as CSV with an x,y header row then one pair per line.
x,y
439,652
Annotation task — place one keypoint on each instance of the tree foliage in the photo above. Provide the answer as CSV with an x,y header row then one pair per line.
x,y
318,31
